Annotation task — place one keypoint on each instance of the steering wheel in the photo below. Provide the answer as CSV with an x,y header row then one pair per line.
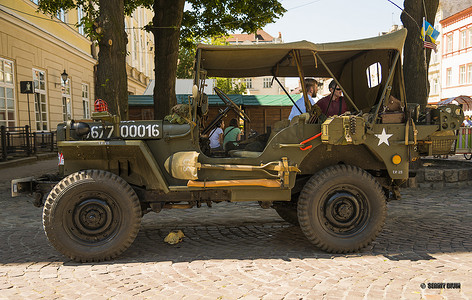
x,y
231,104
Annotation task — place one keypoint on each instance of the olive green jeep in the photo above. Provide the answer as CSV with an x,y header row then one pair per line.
x,y
332,176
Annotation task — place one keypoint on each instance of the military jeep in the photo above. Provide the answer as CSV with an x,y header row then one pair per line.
x,y
332,176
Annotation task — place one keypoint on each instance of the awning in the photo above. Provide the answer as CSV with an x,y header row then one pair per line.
x,y
466,102
250,100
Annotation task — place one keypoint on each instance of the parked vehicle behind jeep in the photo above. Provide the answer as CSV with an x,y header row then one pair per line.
x,y
332,176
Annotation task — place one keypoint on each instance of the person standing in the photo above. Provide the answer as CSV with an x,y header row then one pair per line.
x,y
311,86
337,106
232,134
216,137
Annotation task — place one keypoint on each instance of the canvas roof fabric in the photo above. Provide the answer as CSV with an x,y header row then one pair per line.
x,y
261,59
348,62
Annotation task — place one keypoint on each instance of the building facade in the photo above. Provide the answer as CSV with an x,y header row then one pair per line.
x,y
456,65
140,61
450,68
40,48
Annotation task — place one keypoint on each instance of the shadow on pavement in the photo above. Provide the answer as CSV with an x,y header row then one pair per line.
x,y
424,223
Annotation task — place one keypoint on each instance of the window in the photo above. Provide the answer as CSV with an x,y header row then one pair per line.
x,y
40,100
248,82
66,100
435,88
61,15
462,78
448,76
470,36
267,82
85,100
449,44
463,35
7,94
469,73
374,75
80,15
135,40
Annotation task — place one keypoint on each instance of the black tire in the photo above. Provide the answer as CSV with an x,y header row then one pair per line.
x,y
92,215
288,213
341,209
468,156
288,210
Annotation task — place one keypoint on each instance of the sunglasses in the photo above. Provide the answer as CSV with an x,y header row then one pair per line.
x,y
338,89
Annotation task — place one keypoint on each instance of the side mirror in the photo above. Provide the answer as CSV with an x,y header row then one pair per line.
x,y
195,91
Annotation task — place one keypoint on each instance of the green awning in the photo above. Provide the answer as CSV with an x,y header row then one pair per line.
x,y
249,100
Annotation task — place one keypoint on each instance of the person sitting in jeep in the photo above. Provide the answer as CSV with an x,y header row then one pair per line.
x,y
299,107
334,103
232,134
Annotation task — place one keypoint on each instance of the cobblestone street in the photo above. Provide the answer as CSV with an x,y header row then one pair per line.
x,y
241,251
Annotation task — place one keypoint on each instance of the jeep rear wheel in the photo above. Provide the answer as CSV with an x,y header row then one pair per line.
x,y
341,209
92,215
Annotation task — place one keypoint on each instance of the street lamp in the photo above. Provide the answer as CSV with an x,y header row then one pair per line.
x,y
64,76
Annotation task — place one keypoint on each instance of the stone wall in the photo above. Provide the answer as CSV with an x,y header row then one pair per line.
x,y
438,173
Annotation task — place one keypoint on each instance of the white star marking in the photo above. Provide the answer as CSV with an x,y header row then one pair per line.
x,y
383,137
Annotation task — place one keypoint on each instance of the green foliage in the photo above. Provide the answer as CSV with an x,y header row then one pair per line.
x,y
212,18
91,11
187,56
231,86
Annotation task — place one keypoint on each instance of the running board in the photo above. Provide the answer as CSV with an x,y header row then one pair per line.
x,y
270,183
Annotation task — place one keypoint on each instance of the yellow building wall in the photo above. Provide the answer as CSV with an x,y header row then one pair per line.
x,y
32,47
34,40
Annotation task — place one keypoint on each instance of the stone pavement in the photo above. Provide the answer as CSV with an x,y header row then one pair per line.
x,y
240,251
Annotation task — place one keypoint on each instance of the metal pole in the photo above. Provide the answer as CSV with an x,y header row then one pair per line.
x,y
4,143
28,141
29,115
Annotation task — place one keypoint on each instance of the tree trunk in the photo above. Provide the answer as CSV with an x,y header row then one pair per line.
x,y
167,20
112,80
415,69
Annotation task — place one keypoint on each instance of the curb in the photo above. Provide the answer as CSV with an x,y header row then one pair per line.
x,y
436,174
26,160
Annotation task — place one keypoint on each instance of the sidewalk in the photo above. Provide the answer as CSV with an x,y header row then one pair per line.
x,y
26,160
28,166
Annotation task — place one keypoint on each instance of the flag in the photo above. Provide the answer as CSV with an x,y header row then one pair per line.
x,y
429,35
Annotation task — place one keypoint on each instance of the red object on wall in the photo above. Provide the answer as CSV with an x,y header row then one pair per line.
x,y
100,105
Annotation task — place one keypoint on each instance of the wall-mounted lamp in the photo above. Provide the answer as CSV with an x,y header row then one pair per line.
x,y
64,76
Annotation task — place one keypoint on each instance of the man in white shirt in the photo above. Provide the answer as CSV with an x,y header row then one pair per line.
x,y
311,86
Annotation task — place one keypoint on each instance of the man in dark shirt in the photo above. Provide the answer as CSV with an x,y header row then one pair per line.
x,y
338,104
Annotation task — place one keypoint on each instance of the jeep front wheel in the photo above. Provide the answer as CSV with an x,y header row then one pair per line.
x,y
341,209
92,215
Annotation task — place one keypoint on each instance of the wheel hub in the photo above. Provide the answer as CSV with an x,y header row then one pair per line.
x,y
93,216
343,211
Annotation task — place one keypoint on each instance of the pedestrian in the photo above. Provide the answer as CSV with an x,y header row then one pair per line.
x,y
467,122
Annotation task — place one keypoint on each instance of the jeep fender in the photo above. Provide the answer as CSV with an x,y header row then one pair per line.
x,y
129,159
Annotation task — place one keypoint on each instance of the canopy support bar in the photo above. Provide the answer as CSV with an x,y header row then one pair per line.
x,y
387,85
298,61
337,82
283,88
